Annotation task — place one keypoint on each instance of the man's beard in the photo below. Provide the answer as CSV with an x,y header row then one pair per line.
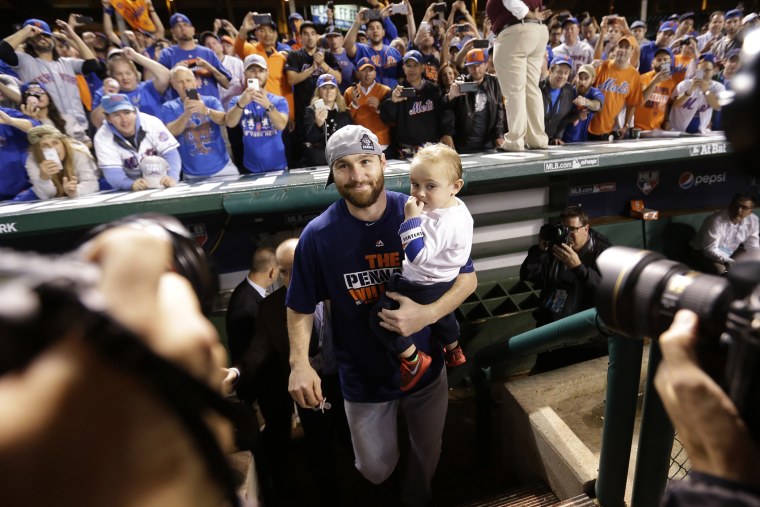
x,y
364,199
42,47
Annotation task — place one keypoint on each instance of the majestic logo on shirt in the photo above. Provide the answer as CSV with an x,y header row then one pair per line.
x,y
647,181
365,287
367,144
379,243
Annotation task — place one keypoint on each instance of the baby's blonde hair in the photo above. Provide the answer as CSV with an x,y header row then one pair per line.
x,y
440,153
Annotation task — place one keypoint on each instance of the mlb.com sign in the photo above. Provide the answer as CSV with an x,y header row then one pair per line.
x,y
687,180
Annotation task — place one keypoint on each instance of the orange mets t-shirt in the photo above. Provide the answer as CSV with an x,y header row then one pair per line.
x,y
651,114
621,87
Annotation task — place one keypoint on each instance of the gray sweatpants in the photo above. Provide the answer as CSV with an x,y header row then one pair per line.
x,y
375,439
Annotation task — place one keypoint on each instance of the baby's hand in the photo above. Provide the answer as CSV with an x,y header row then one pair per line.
x,y
413,208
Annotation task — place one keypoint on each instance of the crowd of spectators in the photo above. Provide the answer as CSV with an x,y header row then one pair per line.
x,y
156,107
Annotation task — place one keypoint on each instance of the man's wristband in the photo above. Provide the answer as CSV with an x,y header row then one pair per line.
x,y
237,104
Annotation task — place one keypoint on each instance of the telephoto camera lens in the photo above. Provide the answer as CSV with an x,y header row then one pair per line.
x,y
641,291
554,234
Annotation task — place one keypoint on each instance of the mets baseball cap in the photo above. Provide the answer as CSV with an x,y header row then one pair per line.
x,y
39,24
327,79
588,69
475,57
630,39
178,18
255,60
116,102
570,20
638,24
413,55
668,26
363,62
33,87
707,57
734,13
665,50
561,60
686,15
350,140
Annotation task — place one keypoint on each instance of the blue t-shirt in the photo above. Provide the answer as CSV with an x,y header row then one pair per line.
x,y
347,68
646,55
13,151
263,149
579,133
352,274
387,61
145,98
201,146
173,55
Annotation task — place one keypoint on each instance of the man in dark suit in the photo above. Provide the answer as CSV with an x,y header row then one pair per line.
x,y
262,374
243,307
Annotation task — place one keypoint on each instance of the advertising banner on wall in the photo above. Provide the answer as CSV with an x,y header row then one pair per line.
x,y
687,185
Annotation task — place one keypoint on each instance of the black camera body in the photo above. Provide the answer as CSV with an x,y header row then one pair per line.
x,y
554,234
641,291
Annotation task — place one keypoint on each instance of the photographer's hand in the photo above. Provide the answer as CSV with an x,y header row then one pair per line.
x,y
69,391
566,255
712,431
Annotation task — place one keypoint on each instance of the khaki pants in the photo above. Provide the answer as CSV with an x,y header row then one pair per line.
x,y
518,56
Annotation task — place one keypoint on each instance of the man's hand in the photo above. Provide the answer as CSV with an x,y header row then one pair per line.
x,y
538,14
713,433
396,94
408,319
566,255
661,76
230,379
195,107
319,59
66,29
580,101
557,142
139,184
247,25
371,101
305,386
167,182
413,208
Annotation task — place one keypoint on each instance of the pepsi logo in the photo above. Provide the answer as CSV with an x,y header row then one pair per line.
x,y
686,180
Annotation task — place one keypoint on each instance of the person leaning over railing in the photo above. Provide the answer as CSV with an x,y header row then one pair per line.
x,y
59,166
135,151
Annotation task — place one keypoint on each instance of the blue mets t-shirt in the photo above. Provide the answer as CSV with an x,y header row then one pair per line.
x,y
348,262
263,148
201,145
14,148
173,55
386,61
